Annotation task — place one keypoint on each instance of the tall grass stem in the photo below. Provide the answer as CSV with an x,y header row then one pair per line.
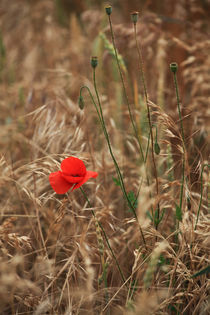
x,y
149,119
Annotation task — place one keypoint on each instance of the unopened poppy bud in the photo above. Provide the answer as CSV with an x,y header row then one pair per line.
x,y
188,203
81,102
157,148
134,17
174,67
94,61
108,9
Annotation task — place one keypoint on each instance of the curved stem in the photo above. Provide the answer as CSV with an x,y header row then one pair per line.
x,y
124,89
94,103
114,160
101,119
179,110
183,141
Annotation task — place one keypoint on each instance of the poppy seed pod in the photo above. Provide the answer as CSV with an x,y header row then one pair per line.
x,y
134,17
108,9
157,148
81,102
174,67
94,62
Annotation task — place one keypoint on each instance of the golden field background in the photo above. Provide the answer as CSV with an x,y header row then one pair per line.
x,y
54,259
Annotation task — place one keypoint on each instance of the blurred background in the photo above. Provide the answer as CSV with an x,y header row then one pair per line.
x,y
45,52
45,49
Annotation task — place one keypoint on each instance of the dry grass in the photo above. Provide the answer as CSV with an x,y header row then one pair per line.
x,y
54,258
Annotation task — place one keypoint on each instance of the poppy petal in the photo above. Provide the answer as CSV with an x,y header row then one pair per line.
x,y
58,183
73,167
88,175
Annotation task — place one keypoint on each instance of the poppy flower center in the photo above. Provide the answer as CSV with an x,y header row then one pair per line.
x,y
72,178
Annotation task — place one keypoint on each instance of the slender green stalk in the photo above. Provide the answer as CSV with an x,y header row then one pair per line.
x,y
199,207
179,108
94,103
141,65
124,89
105,236
109,11
113,158
148,112
101,119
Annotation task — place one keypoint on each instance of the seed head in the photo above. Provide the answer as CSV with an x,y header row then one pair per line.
x,y
108,9
94,62
174,67
134,17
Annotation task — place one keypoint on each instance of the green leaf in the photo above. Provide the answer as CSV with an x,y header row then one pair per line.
x,y
149,215
173,309
203,271
132,198
156,220
162,214
116,181
162,260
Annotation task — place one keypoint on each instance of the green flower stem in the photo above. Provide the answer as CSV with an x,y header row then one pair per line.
x,y
179,109
114,160
124,89
144,159
94,103
149,118
101,119
199,207
141,65
105,236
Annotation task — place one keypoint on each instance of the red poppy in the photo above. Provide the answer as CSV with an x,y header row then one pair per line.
x,y
73,174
